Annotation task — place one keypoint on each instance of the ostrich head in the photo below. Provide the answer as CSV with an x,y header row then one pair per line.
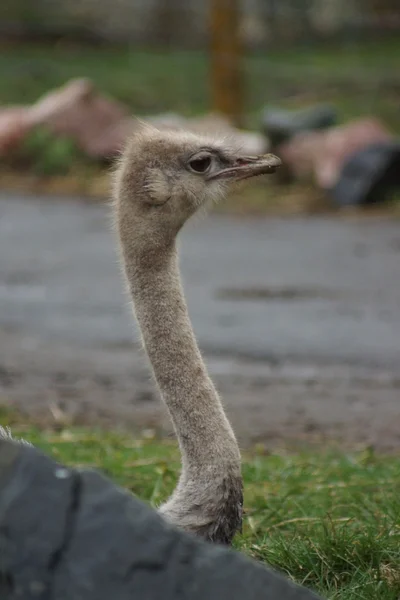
x,y
166,176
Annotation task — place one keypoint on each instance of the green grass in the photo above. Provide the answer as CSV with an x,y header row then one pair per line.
x,y
329,520
357,77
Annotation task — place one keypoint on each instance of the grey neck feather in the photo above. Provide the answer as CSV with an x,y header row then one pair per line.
x,y
204,434
208,497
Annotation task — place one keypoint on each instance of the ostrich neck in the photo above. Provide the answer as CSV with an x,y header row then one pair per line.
x,y
204,434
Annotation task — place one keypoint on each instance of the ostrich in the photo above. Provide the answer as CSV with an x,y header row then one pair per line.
x,y
162,179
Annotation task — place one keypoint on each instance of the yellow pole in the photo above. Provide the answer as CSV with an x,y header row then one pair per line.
x,y
226,59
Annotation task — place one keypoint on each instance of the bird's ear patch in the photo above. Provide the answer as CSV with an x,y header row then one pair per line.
x,y
158,187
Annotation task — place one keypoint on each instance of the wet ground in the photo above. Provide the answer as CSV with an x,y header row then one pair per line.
x,y
299,320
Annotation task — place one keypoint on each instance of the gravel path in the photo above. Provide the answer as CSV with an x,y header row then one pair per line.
x,y
299,320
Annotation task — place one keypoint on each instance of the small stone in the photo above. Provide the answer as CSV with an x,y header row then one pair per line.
x,y
62,473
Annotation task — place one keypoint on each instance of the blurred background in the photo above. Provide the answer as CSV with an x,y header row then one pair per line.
x,y
158,55
178,59
298,317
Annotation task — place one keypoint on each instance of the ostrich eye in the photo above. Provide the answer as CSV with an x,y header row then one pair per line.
x,y
200,165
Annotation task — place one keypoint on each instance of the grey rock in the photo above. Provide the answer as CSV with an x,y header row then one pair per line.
x,y
69,534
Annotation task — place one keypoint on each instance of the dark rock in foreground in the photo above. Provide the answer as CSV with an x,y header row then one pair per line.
x,y
69,534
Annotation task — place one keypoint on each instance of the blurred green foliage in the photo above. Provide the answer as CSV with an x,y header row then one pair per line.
x,y
358,78
46,154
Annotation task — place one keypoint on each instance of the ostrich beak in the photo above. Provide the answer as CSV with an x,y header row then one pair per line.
x,y
248,166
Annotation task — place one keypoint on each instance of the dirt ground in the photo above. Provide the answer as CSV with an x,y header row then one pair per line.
x,y
270,404
299,321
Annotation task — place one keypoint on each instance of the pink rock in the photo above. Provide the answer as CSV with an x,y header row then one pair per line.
x,y
14,125
341,142
322,154
98,124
